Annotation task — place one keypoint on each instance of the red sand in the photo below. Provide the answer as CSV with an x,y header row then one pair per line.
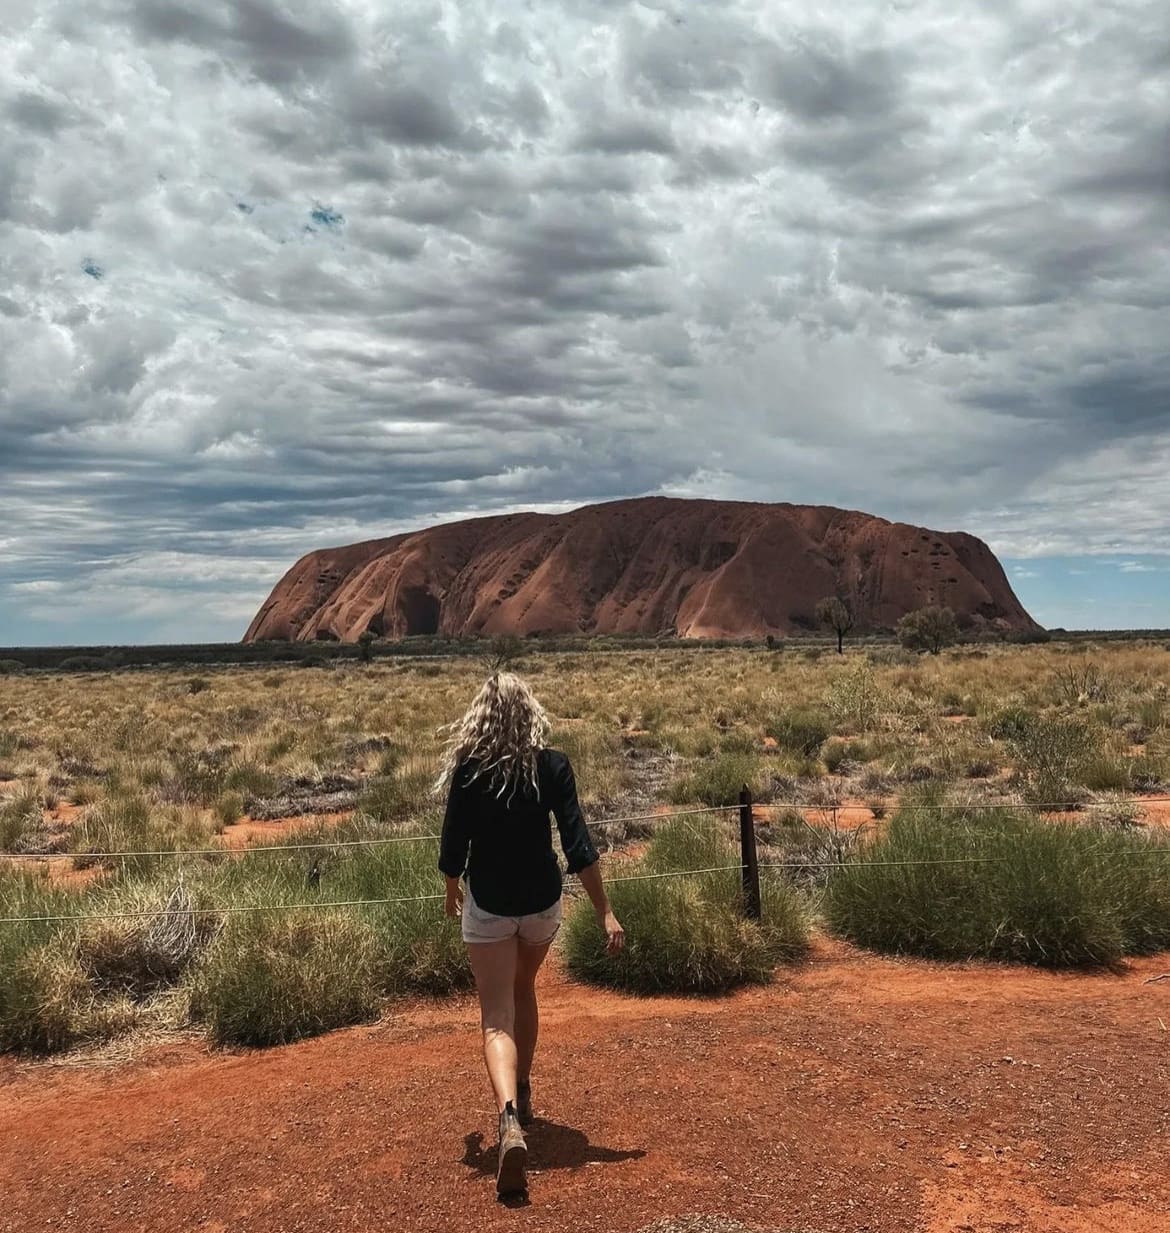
x,y
855,1094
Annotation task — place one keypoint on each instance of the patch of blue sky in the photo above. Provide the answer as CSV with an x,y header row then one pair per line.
x,y
1124,591
326,217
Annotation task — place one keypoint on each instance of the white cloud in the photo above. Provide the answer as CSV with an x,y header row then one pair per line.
x,y
465,257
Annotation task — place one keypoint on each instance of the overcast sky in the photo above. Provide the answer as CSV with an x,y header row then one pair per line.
x,y
279,274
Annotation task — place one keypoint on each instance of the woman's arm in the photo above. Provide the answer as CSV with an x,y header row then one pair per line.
x,y
580,854
615,935
453,844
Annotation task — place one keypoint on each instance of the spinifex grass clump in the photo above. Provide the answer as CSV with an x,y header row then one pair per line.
x,y
1003,885
801,731
46,1002
686,934
297,985
718,781
273,977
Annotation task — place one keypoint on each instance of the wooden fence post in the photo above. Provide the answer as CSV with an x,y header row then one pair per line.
x,y
751,868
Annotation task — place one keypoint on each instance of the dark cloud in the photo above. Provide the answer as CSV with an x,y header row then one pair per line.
x,y
37,113
407,115
277,46
284,273
630,136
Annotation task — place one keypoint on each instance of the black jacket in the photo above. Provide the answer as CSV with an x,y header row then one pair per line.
x,y
504,843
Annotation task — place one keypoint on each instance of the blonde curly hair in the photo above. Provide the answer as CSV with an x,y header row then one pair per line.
x,y
502,733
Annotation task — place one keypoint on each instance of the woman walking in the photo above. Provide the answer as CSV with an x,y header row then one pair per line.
x,y
502,781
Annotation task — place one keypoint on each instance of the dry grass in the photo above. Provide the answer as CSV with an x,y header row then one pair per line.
x,y
141,761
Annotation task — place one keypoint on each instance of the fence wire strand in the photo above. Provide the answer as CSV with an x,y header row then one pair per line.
x,y
805,806
182,908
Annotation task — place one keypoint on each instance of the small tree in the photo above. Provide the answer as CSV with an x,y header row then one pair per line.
x,y
837,614
365,644
502,652
928,629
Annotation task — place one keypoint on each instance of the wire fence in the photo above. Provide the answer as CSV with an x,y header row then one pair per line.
x,y
748,868
824,807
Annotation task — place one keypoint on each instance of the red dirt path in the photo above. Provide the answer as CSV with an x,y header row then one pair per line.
x,y
856,1093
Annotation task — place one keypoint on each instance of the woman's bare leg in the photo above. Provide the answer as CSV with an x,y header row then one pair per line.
x,y
494,965
529,959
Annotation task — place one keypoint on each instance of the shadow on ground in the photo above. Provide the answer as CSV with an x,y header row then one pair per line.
x,y
550,1146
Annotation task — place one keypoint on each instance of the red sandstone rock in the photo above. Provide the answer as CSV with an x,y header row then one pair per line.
x,y
699,569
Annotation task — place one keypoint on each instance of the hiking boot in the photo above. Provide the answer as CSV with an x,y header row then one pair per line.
x,y
511,1175
524,1102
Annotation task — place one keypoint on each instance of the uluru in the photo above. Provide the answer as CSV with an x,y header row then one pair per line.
x,y
650,566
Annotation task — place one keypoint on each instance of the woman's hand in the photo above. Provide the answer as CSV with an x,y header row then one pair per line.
x,y
615,935
454,905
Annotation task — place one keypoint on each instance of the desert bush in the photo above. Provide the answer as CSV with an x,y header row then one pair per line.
x,y
719,781
46,1003
1009,723
687,934
271,978
889,657
801,731
252,781
928,629
1028,637
1004,886
120,823
1148,773
418,949
229,809
980,768
1078,684
143,937
855,697
396,797
1051,752
835,754
20,819
1102,772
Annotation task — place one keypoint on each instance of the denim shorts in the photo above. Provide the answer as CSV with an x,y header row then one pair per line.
x,y
537,929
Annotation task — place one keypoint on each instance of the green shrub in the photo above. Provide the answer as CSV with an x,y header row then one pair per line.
x,y
687,934
120,823
20,819
1102,773
251,780
1012,888
800,731
835,754
1051,753
229,809
1009,723
928,629
275,977
396,797
136,955
418,949
46,1003
855,698
718,781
